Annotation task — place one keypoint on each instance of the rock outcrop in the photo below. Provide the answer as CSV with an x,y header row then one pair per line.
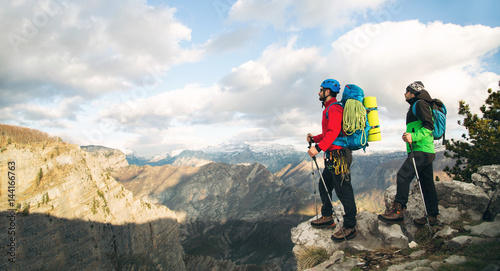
x,y
458,201
372,234
68,212
109,159
488,178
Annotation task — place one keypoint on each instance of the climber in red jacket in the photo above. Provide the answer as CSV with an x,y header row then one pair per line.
x,y
331,128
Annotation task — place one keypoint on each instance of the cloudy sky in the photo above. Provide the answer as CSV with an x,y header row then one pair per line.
x,y
161,76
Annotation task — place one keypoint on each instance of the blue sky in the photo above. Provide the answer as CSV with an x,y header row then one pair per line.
x,y
162,76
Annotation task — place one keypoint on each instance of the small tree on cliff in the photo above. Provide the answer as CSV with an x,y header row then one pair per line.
x,y
482,144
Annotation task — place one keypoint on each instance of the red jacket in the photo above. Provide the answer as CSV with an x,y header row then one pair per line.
x,y
331,127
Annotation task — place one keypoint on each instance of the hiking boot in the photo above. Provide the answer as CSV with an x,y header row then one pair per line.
x,y
393,215
349,234
323,222
422,221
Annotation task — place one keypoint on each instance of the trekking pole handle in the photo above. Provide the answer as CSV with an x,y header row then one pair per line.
x,y
310,144
311,140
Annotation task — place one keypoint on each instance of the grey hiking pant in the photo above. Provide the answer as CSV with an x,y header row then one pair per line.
x,y
425,169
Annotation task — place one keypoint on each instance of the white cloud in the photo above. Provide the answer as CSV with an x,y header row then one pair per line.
x,y
273,12
385,58
248,76
334,14
446,57
92,55
187,106
298,14
275,81
49,113
90,47
274,97
261,100
230,40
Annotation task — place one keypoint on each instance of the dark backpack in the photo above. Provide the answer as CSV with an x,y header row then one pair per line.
x,y
439,111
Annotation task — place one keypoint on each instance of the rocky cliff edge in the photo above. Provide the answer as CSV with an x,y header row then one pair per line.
x,y
64,211
463,207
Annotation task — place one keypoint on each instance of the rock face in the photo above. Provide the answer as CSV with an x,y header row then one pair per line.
x,y
69,212
229,212
215,192
45,242
109,159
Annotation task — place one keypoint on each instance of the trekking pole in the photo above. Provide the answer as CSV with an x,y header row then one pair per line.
x,y
330,198
421,192
314,185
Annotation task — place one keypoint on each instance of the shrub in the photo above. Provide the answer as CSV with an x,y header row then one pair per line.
x,y
311,256
481,144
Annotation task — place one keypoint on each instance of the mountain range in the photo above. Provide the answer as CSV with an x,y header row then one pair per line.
x,y
371,173
274,157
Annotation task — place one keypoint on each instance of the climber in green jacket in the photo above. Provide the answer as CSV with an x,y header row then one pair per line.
x,y
418,133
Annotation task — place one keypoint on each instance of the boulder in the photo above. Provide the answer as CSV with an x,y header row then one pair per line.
x,y
417,254
456,260
464,240
448,215
445,232
488,178
487,229
467,197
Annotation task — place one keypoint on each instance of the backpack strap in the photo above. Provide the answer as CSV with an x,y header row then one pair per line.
x,y
414,108
339,141
339,103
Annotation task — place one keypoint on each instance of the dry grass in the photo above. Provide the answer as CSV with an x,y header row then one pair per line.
x,y
311,256
21,135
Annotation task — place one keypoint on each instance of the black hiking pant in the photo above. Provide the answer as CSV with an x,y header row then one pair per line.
x,y
425,169
343,189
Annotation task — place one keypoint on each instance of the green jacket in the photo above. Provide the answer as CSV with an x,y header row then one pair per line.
x,y
420,125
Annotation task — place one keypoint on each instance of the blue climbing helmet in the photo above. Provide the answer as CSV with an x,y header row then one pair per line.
x,y
332,84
